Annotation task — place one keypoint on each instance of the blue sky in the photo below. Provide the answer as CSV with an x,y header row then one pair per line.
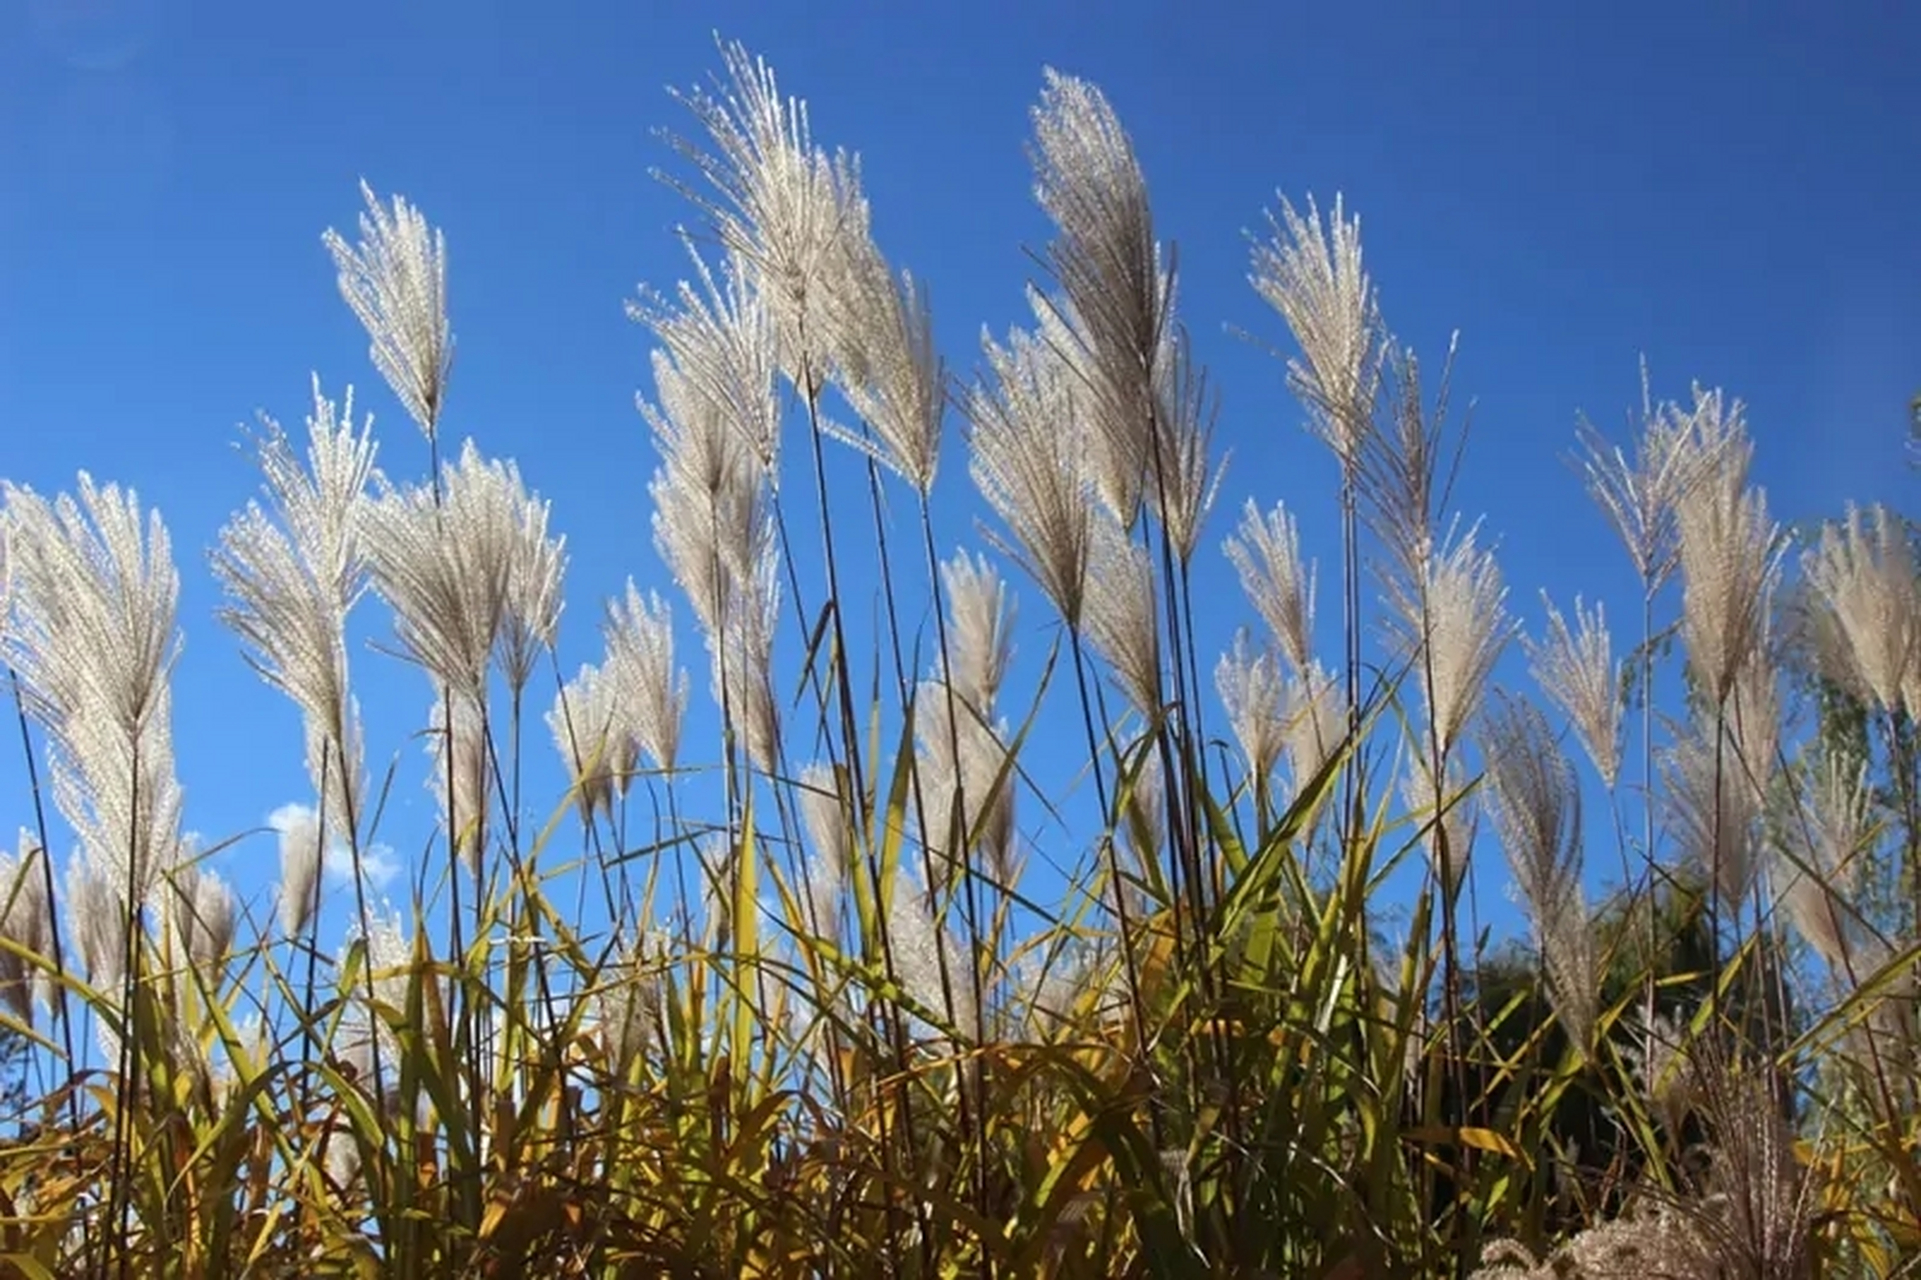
x,y
1730,191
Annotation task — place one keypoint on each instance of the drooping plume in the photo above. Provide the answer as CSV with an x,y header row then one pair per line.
x,y
1253,692
1824,834
788,211
1312,275
887,366
1639,496
1028,435
1266,552
1459,616
93,639
1122,621
293,570
1864,572
26,920
395,279
1576,669
301,857
598,755
1536,802
462,779
447,566
650,692
1726,548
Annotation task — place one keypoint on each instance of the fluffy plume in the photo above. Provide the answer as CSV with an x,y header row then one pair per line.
x,y
628,1005
1266,552
97,921
1445,813
1316,722
980,616
198,915
787,210
1712,809
1536,802
301,849
1113,314
447,565
1458,614
385,985
1819,863
718,339
931,963
292,571
1121,618
888,368
1864,572
1639,495
1726,548
395,279
1312,276
650,693
1254,694
599,757
531,622
823,808
462,780
1576,669
93,638
1028,434
26,920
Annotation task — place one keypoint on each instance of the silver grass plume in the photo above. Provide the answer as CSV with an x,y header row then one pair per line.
x,y
1864,572
93,639
1312,275
293,570
628,1004
1443,812
198,916
1711,808
719,338
1402,478
446,566
1254,693
395,279
980,619
1576,669
1459,616
776,201
1535,799
1122,618
1114,312
1824,837
960,742
391,973
1266,553
598,754
887,366
26,920
920,948
1726,548
1639,495
458,725
650,692
97,921
830,835
1028,435
301,854
531,623
1317,716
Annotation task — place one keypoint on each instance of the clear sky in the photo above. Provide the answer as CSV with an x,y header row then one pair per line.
x,y
1730,190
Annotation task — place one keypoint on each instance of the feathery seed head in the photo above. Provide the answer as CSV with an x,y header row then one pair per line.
x,y
301,840
598,755
1266,552
93,638
1445,812
887,366
1122,619
1458,615
395,279
1576,669
1536,802
1317,715
447,566
292,571
783,206
649,692
461,782
1028,433
981,616
1253,692
1726,547
1867,579
1312,275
